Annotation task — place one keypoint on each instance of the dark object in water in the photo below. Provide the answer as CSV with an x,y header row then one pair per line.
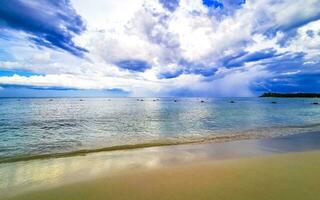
x,y
154,100
141,100
202,101
81,100
315,103
175,100
291,95
232,102
51,100
274,102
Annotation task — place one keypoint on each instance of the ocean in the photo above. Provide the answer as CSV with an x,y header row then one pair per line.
x,y
31,127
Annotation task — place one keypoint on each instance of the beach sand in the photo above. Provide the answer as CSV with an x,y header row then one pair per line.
x,y
282,176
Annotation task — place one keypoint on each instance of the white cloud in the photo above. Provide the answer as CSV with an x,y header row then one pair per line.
x,y
143,30
307,40
104,14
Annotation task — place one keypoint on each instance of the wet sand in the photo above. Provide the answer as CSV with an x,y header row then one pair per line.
x,y
280,168
290,176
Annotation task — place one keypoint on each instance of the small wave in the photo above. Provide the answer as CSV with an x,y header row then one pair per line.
x,y
259,133
218,138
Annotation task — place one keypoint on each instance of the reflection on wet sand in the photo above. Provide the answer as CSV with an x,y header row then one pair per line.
x,y
22,176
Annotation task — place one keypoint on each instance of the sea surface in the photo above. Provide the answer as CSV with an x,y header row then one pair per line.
x,y
30,127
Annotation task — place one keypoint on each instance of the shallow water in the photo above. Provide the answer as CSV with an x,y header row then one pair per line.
x,y
36,126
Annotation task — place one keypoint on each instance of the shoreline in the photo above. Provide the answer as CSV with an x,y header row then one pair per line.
x,y
160,143
259,133
30,177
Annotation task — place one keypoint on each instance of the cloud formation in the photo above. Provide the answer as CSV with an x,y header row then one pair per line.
x,y
50,24
164,48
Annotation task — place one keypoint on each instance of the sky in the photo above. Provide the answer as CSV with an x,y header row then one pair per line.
x,y
189,48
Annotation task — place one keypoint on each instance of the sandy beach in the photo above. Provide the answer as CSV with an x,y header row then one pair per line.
x,y
278,168
289,176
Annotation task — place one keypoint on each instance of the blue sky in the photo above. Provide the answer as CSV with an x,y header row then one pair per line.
x,y
209,48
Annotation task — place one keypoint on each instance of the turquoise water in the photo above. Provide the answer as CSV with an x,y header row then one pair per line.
x,y
36,126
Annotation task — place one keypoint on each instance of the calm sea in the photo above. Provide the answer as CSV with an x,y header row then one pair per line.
x,y
38,126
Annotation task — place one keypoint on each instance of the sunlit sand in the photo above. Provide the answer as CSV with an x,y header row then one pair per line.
x,y
249,169
290,176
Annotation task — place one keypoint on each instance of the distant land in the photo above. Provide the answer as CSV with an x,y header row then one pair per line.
x,y
291,95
